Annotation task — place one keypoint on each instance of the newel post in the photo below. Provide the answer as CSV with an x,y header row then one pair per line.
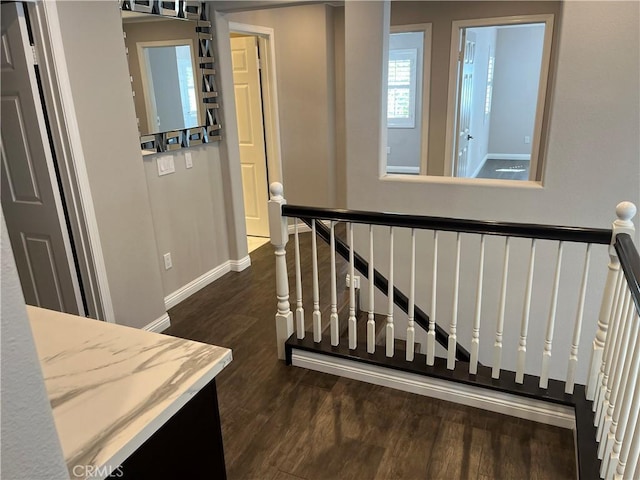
x,y
625,211
279,233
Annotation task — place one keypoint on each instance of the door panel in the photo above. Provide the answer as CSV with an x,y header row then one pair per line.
x,y
465,98
246,80
30,199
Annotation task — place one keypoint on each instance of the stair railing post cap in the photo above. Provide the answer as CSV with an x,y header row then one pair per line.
x,y
625,211
276,189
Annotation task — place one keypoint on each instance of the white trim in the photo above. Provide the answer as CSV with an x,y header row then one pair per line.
x,y
269,84
240,265
456,26
205,279
508,156
159,325
399,169
477,170
79,177
304,228
513,405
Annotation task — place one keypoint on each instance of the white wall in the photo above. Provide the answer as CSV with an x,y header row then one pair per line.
x,y
30,445
515,88
579,188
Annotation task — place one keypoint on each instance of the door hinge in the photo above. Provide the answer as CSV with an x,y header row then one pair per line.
x,y
35,54
460,56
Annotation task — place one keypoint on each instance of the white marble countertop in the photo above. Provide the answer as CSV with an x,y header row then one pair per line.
x,y
111,387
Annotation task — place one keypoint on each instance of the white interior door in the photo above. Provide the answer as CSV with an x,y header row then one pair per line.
x,y
465,100
30,197
246,81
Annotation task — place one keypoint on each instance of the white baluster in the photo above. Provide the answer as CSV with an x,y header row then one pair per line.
x,y
475,334
526,309
411,332
497,346
371,321
333,318
630,453
279,234
607,353
548,342
625,211
604,414
389,328
615,408
451,350
573,355
352,293
627,413
317,316
299,307
431,334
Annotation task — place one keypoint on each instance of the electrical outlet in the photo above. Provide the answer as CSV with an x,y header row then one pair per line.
x,y
167,261
356,281
388,150
188,161
527,139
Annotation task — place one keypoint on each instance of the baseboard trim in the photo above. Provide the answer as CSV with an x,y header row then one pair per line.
x,y
159,325
402,170
513,405
304,228
205,279
240,265
477,171
509,156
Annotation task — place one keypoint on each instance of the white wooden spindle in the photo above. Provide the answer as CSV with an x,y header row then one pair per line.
x,y
411,332
620,391
497,346
625,211
353,340
333,318
526,309
389,327
610,340
371,321
605,409
451,350
548,341
299,306
630,453
475,334
317,316
627,412
279,233
431,334
577,328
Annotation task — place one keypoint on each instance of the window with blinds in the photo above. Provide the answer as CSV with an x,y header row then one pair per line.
x,y
401,88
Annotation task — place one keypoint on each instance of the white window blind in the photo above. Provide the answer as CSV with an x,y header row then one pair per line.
x,y
401,88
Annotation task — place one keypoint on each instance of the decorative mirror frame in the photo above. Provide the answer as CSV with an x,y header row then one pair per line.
x,y
211,130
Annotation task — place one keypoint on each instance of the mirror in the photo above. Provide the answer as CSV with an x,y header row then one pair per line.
x,y
171,68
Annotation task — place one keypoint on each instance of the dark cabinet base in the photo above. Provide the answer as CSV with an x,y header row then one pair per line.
x,y
189,445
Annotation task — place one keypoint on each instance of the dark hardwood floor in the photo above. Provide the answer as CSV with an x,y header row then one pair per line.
x,y
287,423
505,169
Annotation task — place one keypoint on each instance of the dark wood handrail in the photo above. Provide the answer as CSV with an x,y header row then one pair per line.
x,y
380,282
525,230
630,262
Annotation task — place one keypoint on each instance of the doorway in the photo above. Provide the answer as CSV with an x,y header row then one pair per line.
x,y
252,55
499,80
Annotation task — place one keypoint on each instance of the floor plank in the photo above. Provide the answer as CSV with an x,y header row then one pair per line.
x,y
287,423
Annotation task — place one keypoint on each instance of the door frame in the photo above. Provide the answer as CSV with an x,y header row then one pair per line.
x,y
452,102
269,86
65,132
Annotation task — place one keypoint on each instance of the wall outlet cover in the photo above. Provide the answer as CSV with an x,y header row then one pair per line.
x,y
188,160
165,165
167,261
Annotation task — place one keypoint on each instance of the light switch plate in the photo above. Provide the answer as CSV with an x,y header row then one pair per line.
x,y
165,165
188,161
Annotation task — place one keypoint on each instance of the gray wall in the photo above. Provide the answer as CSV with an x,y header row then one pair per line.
x,y
574,166
515,88
94,49
480,123
305,73
341,161
405,143
441,14
30,445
